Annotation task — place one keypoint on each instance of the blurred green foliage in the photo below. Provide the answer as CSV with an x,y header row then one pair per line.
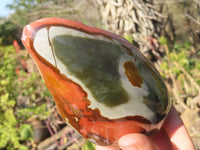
x,y
181,57
12,115
27,11
9,31
8,122
163,40
129,38
26,132
89,146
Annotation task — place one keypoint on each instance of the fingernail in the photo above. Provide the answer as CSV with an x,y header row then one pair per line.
x,y
130,147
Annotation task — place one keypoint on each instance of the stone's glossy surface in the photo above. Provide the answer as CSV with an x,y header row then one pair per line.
x,y
102,85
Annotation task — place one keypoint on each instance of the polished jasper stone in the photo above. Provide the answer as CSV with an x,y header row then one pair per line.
x,y
102,85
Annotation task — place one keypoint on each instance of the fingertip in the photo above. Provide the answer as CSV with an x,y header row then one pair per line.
x,y
136,141
107,147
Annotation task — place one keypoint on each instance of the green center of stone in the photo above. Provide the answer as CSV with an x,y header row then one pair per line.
x,y
95,62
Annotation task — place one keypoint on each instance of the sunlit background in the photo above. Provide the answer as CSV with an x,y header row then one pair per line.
x,y
166,32
5,11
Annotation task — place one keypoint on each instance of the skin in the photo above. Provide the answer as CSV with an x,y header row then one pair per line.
x,y
173,136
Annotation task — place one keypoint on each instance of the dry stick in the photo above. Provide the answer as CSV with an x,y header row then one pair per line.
x,y
18,24
185,84
192,18
189,77
172,1
37,13
174,89
46,143
193,92
51,132
70,142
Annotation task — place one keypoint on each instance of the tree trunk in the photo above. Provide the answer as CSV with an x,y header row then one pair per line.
x,y
138,20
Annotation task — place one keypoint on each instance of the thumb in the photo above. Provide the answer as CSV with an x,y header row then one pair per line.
x,y
136,141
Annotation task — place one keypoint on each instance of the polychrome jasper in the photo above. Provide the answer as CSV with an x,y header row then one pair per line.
x,y
102,85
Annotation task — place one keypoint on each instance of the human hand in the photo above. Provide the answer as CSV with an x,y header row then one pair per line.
x,y
173,136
